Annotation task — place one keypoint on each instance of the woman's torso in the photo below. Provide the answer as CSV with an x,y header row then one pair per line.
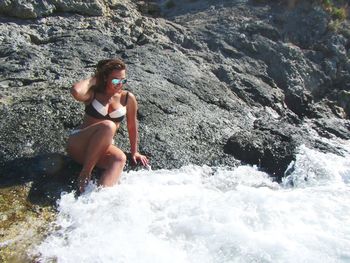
x,y
100,108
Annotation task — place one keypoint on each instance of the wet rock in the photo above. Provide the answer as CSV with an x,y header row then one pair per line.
x,y
270,147
333,127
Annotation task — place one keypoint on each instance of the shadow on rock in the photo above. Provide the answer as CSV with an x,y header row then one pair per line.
x,y
272,147
49,175
271,156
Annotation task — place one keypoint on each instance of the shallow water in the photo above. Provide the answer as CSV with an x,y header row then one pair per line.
x,y
204,214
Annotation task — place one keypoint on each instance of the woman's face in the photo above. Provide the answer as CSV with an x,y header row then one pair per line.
x,y
115,81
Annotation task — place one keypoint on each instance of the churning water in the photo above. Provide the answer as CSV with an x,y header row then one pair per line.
x,y
204,214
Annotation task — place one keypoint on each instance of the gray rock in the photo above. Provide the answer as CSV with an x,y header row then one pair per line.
x,y
217,82
271,149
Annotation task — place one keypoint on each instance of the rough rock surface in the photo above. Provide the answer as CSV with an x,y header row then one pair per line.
x,y
217,82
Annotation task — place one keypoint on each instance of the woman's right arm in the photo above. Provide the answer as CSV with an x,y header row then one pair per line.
x,y
82,91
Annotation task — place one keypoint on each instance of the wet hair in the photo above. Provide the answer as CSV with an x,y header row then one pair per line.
x,y
103,69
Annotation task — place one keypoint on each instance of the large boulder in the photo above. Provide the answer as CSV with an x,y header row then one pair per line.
x,y
203,77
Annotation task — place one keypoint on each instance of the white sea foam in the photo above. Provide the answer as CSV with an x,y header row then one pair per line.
x,y
202,214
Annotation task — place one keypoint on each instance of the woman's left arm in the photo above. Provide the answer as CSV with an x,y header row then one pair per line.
x,y
131,118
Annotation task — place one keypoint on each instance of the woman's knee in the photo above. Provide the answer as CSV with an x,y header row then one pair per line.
x,y
108,126
118,158
122,158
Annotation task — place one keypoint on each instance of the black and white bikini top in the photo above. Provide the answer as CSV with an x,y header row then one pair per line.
x,y
97,110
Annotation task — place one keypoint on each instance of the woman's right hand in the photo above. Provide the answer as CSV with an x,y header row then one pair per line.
x,y
139,157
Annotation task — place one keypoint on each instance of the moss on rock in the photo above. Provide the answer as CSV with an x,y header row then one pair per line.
x,y
22,224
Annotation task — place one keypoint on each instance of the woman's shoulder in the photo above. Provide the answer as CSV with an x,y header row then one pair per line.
x,y
129,98
128,95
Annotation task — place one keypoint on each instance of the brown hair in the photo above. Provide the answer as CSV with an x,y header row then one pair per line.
x,y
103,69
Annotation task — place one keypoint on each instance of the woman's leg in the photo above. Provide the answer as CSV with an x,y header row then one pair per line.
x,y
113,162
89,145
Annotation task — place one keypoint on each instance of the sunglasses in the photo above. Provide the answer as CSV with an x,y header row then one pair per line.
x,y
118,81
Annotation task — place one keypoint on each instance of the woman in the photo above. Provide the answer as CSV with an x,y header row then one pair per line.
x,y
106,105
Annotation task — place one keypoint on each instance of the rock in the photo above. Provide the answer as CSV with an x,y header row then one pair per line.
x,y
26,9
302,25
149,8
34,9
344,101
333,127
271,147
216,84
90,8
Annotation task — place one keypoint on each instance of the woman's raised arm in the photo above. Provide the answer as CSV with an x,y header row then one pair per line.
x,y
81,90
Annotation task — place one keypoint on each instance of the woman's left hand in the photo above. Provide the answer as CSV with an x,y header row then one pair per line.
x,y
139,157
